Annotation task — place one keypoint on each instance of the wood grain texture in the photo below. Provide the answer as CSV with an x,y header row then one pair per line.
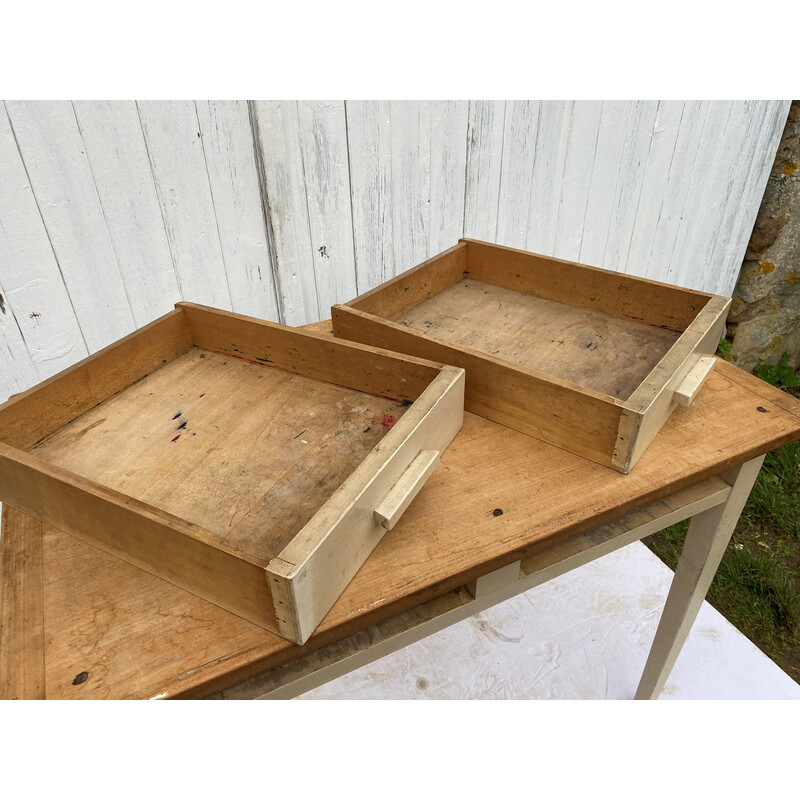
x,y
249,452
30,416
61,180
277,127
21,608
318,357
484,168
147,638
448,135
204,468
40,331
668,190
502,391
178,163
323,146
608,354
548,171
369,144
230,160
583,286
521,324
117,153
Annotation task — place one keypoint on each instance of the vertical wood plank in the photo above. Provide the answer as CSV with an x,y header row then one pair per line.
x,y
369,137
277,129
40,333
638,136
227,139
675,192
520,133
484,167
548,172
17,371
743,204
175,150
62,183
581,147
653,186
411,175
115,148
606,174
742,128
448,148
323,145
709,152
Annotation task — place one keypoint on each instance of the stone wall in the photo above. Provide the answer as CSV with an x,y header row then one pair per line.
x,y
765,314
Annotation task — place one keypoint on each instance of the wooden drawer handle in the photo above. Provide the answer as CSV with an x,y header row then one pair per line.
x,y
405,490
694,379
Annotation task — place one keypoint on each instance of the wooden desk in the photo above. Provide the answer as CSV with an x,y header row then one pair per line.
x,y
68,608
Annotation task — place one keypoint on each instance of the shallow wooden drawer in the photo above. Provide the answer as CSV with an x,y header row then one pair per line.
x,y
252,464
590,360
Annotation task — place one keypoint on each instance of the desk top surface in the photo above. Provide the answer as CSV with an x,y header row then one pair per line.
x,y
79,623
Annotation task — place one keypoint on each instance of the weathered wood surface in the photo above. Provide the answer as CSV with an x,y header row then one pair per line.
x,y
609,354
248,452
112,211
138,636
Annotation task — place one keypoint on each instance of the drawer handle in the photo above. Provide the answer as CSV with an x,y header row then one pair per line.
x,y
694,379
405,490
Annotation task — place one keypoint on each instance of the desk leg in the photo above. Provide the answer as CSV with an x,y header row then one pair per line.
x,y
708,536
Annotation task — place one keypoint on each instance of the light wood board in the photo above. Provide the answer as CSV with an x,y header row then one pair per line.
x,y
248,452
609,354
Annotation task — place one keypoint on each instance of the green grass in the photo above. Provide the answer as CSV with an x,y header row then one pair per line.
x,y
757,586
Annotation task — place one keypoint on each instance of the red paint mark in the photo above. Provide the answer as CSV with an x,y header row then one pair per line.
x,y
388,421
176,438
203,395
230,521
368,410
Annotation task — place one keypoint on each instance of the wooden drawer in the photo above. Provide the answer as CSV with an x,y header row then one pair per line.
x,y
590,360
252,464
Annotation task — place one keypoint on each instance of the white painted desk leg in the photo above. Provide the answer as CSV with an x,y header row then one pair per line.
x,y
708,536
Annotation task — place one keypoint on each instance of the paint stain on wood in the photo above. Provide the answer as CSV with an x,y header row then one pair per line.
x,y
388,421
181,426
762,409
80,678
176,438
498,512
177,415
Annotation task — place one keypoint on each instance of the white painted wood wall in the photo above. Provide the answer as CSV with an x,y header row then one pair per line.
x,y
110,212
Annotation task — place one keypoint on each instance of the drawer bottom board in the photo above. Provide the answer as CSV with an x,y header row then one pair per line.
x,y
246,451
609,354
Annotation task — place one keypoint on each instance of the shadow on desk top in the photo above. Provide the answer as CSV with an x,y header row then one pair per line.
x,y
68,608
